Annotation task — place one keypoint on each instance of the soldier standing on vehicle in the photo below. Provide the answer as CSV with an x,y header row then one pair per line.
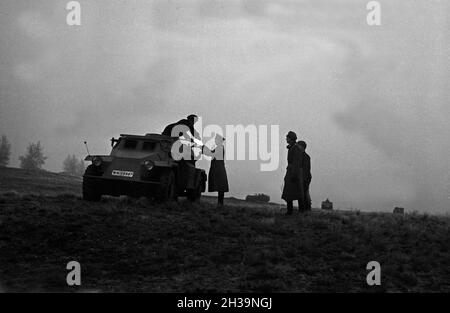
x,y
217,177
189,122
293,180
179,129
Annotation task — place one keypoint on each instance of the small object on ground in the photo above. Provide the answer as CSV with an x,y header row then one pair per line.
x,y
327,205
259,197
398,210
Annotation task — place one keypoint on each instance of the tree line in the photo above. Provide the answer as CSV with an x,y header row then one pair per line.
x,y
34,158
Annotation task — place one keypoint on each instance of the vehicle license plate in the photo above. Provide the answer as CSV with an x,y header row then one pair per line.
x,y
122,173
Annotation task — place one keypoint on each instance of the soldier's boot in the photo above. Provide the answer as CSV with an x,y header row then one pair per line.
x,y
290,207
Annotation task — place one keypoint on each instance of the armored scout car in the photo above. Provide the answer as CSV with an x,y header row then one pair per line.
x,y
142,166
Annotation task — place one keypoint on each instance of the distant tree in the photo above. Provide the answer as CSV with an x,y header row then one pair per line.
x,y
5,151
81,168
34,159
73,166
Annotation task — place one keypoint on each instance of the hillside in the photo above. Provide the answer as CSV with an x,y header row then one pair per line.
x,y
41,182
127,244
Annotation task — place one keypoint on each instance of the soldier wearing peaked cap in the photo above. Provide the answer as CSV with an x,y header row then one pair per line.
x,y
293,180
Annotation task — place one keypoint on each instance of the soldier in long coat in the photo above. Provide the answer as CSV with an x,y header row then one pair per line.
x,y
217,176
306,174
293,180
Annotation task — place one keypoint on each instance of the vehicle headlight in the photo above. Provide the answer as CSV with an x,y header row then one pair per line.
x,y
97,161
148,165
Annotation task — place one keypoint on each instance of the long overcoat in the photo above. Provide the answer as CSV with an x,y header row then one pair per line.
x,y
217,176
293,180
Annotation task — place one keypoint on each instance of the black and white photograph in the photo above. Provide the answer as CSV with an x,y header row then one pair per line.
x,y
207,148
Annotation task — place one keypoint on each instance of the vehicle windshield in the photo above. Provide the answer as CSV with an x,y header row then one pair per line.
x,y
130,144
148,146
136,144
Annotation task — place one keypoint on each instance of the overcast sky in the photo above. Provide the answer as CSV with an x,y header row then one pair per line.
x,y
372,102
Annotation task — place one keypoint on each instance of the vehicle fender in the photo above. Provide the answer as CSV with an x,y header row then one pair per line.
x,y
200,177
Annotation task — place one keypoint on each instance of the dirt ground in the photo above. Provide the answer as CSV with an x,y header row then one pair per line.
x,y
127,244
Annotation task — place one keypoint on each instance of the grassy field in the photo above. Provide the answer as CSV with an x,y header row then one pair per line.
x,y
127,244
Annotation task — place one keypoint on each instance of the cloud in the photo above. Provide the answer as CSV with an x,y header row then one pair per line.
x,y
366,100
398,108
278,10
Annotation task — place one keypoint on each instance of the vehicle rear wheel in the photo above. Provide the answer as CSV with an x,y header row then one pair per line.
x,y
90,192
194,194
167,188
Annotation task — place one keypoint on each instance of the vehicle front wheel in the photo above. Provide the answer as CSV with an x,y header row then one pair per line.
x,y
90,192
167,188
194,194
